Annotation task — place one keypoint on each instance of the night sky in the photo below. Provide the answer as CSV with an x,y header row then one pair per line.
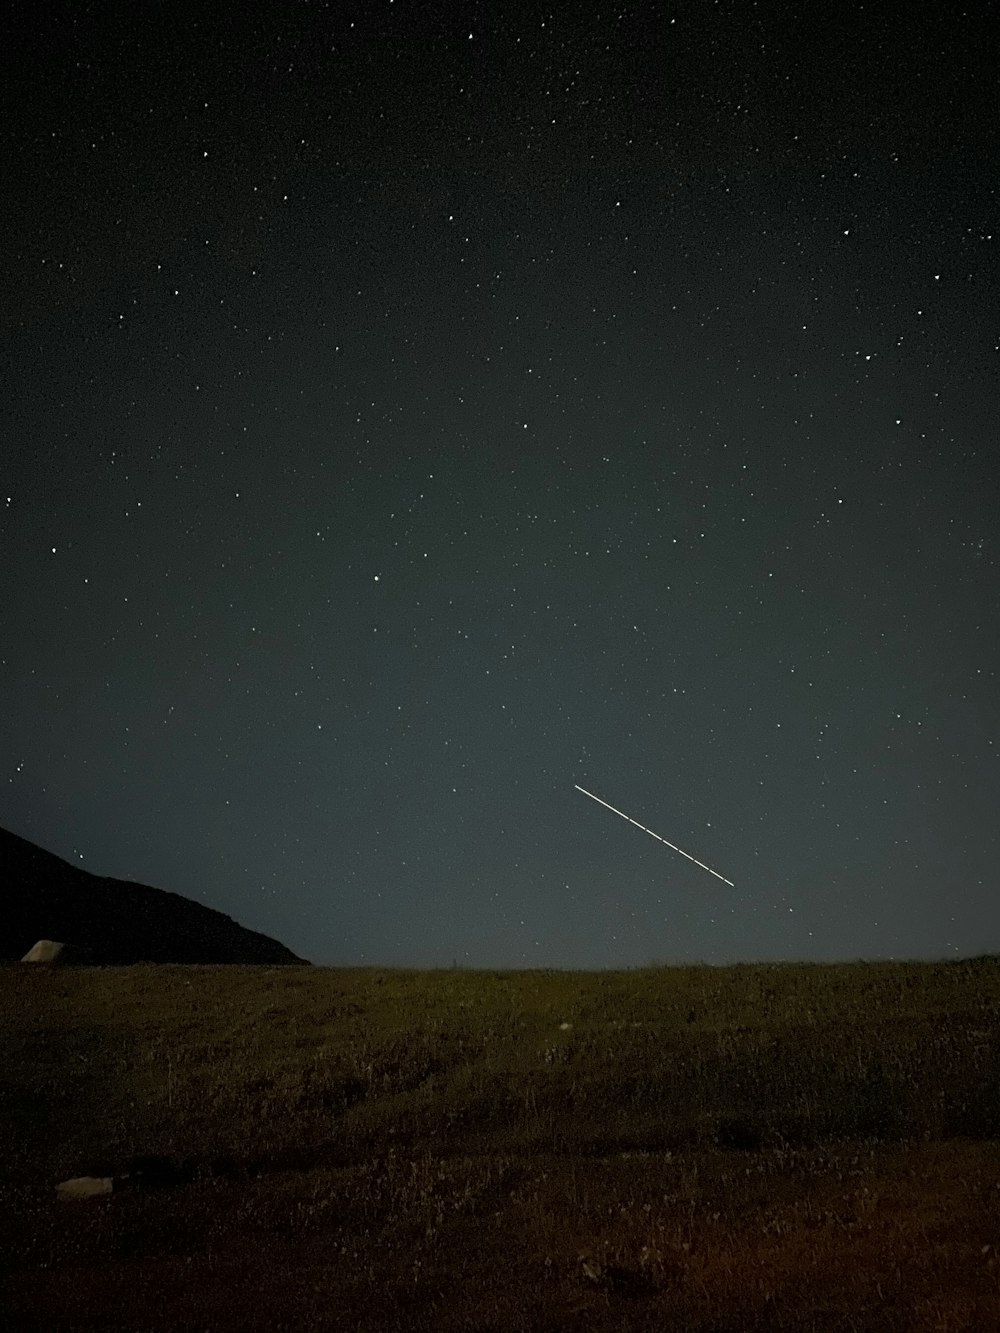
x,y
411,410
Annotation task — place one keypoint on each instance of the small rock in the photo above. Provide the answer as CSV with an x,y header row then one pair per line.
x,y
85,1187
55,954
590,1268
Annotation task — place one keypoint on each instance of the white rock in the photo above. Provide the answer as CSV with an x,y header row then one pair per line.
x,y
56,953
85,1187
44,951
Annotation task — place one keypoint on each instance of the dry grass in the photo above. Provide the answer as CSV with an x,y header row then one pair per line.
x,y
746,1148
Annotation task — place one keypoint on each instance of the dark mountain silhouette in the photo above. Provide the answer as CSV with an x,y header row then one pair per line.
x,y
113,920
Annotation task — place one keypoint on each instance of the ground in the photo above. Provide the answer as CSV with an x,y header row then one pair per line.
x,y
710,1149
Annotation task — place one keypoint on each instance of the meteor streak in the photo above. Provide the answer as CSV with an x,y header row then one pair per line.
x,y
654,835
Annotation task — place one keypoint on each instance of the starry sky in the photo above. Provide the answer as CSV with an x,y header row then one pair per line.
x,y
411,410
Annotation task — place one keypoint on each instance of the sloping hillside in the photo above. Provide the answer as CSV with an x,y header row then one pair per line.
x,y
113,920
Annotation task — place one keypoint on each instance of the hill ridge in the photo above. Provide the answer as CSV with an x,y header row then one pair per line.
x,y
116,921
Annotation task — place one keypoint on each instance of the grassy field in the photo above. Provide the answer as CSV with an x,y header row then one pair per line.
x,y
733,1149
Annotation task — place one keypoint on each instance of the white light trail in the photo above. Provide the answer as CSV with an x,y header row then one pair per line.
x,y
654,835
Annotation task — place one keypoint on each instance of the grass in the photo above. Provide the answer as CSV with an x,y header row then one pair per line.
x,y
755,1147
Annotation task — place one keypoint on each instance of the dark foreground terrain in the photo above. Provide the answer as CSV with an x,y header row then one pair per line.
x,y
753,1148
